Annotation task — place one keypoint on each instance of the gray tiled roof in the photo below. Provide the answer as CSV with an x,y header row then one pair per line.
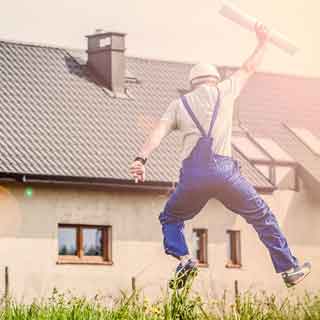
x,y
270,102
56,120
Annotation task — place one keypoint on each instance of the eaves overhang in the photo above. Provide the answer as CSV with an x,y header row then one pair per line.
x,y
109,183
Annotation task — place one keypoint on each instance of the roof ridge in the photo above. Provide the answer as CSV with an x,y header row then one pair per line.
x,y
145,58
47,45
38,44
52,46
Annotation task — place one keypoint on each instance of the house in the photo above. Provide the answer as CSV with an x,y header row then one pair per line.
x,y
72,218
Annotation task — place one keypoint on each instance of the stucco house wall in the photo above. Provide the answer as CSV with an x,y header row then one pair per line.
x,y
29,243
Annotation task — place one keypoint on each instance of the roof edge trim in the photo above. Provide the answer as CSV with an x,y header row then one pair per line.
x,y
98,182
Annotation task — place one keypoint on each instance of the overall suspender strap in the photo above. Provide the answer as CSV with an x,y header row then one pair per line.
x,y
196,121
215,112
192,115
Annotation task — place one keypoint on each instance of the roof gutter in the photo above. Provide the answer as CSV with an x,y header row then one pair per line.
x,y
122,184
108,183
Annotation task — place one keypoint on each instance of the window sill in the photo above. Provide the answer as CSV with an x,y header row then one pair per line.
x,y
86,262
203,265
233,266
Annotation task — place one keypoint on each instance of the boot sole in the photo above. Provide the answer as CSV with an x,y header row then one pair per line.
x,y
290,285
180,282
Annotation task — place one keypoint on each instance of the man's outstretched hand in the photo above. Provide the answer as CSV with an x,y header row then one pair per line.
x,y
262,33
138,171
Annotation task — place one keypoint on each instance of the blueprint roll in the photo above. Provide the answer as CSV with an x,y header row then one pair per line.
x,y
246,21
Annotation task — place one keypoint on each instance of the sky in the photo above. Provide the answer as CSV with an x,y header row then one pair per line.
x,y
178,30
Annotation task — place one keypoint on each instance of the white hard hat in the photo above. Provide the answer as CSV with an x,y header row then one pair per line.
x,y
203,70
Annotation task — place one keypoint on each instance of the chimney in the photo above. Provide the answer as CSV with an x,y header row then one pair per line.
x,y
106,59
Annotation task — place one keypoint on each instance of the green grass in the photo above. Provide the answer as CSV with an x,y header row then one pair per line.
x,y
174,305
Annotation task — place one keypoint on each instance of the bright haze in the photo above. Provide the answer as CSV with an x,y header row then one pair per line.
x,y
176,30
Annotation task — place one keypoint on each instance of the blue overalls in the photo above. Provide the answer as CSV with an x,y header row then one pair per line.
x,y
205,175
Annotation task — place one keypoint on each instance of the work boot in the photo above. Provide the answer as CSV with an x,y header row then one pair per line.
x,y
297,274
184,272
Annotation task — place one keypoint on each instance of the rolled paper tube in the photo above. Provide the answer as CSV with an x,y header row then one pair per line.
x,y
234,14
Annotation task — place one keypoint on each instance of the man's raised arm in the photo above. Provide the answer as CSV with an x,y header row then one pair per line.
x,y
250,66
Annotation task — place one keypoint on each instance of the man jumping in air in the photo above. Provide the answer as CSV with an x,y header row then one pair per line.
x,y
204,118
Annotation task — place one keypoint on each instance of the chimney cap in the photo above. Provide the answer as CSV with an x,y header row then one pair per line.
x,y
101,32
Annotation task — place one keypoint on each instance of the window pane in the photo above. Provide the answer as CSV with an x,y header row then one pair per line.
x,y
275,151
199,245
285,177
92,241
238,248
311,141
196,244
234,247
67,240
249,149
264,169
